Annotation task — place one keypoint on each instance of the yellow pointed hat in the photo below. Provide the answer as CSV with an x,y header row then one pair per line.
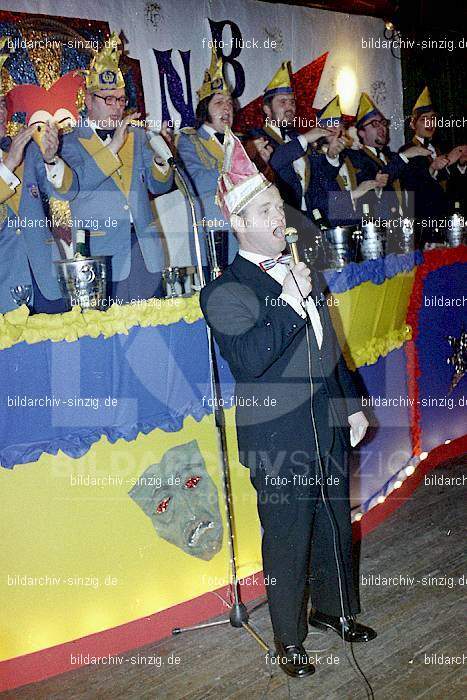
x,y
330,114
3,57
104,73
424,103
281,83
214,82
366,110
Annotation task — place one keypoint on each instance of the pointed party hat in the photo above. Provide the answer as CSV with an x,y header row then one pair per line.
x,y
423,104
240,180
330,114
104,73
281,83
366,110
214,82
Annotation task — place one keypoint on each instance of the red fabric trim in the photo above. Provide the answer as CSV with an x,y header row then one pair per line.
x,y
396,498
432,260
31,668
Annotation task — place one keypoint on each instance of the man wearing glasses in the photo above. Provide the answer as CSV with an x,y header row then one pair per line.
x,y
116,167
374,160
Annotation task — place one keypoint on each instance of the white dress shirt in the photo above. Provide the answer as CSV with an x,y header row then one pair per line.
x,y
299,164
7,176
278,272
53,171
432,149
212,133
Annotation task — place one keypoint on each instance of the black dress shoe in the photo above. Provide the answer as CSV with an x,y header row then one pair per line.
x,y
294,660
353,630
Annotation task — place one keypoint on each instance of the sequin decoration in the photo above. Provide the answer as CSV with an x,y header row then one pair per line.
x,y
153,14
66,44
458,359
378,91
275,38
6,81
305,83
45,56
60,213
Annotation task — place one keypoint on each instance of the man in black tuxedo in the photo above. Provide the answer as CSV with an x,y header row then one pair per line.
x,y
274,341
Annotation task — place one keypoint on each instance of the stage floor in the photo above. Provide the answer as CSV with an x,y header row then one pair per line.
x,y
419,625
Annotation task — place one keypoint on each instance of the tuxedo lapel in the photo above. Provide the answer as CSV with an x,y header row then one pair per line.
x,y
250,274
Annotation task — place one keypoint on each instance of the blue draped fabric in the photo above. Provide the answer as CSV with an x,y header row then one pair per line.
x,y
443,413
151,378
375,271
387,447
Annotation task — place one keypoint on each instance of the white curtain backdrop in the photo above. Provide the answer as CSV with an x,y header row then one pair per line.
x,y
301,35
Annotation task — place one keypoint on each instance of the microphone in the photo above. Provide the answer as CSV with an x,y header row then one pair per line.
x,y
291,236
159,146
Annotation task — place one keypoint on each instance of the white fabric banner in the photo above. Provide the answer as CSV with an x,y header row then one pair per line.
x,y
258,36
300,34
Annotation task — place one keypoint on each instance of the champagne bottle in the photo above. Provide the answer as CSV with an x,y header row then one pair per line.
x,y
82,243
366,216
321,221
456,217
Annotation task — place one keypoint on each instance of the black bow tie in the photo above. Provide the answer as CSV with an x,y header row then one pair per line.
x,y
219,136
426,141
103,133
284,131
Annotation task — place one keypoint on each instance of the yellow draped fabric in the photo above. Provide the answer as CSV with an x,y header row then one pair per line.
x,y
106,565
18,326
370,319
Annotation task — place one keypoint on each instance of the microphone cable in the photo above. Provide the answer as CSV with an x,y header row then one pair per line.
x,y
332,519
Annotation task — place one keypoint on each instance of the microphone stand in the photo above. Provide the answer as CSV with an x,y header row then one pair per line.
x,y
239,614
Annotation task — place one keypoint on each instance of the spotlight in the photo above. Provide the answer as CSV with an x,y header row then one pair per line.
x,y
381,499
397,484
409,470
446,442
389,25
423,455
357,517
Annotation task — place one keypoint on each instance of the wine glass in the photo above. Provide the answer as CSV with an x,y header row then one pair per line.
x,y
21,294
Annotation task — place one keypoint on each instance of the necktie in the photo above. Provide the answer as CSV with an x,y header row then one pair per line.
x,y
219,136
103,133
268,264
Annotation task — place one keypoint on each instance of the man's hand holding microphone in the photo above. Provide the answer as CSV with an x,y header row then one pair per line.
x,y
297,282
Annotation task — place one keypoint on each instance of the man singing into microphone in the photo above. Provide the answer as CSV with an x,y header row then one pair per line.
x,y
283,351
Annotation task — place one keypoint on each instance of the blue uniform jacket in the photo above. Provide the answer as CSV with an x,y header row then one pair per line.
x,y
430,200
25,237
201,157
110,187
365,166
318,170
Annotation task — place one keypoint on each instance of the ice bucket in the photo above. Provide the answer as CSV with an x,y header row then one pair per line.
x,y
83,282
373,242
339,246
